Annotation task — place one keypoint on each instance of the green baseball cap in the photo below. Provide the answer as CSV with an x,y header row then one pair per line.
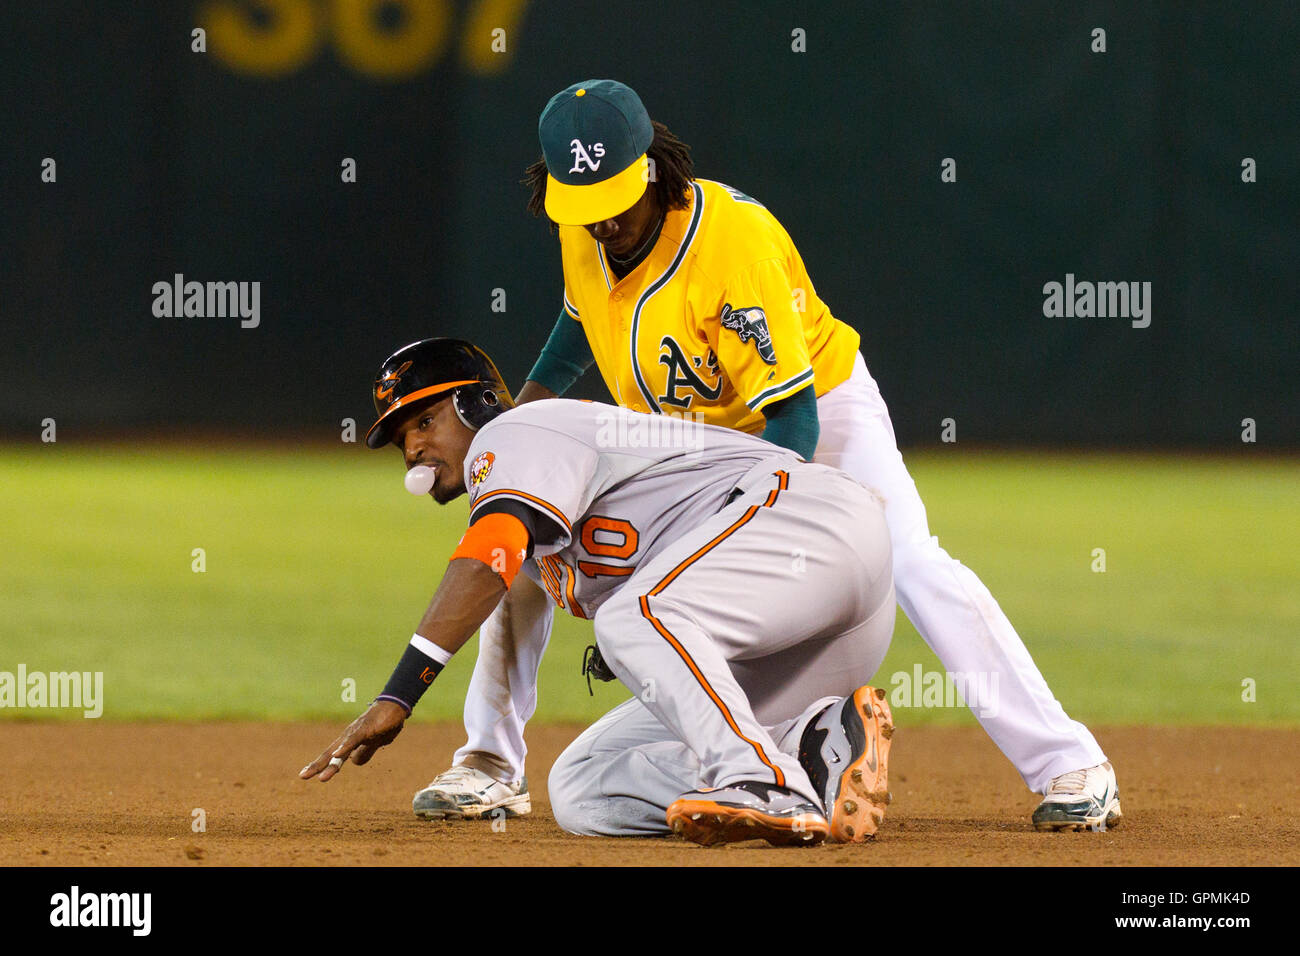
x,y
594,139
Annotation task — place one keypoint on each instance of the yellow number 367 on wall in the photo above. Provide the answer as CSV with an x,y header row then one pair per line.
x,y
380,39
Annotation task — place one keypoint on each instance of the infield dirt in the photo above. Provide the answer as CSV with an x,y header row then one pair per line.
x,y
89,794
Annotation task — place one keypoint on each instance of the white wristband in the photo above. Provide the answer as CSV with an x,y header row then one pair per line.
x,y
430,649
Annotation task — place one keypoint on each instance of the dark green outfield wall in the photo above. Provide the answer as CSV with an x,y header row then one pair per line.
x,y
1117,166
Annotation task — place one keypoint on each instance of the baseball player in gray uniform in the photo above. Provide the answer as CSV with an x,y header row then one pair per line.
x,y
743,595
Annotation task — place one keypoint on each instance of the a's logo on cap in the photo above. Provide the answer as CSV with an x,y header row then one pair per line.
x,y
390,380
581,156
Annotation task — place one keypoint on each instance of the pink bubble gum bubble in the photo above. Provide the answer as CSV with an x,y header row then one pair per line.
x,y
419,480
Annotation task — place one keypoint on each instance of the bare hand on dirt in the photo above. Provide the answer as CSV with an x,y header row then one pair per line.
x,y
377,727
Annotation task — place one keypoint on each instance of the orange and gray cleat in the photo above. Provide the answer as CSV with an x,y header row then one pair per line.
x,y
747,811
845,751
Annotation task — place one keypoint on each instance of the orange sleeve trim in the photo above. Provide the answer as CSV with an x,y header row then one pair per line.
x,y
546,570
498,540
574,607
544,505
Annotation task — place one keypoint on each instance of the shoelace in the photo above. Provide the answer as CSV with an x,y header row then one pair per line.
x,y
455,775
1072,782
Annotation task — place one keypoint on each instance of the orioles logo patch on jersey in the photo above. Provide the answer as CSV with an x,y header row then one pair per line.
x,y
751,325
481,468
384,387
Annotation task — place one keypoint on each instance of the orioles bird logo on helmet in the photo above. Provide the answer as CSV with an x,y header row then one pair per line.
x,y
390,379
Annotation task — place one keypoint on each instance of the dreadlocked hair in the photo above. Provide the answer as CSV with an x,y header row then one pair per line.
x,y
672,166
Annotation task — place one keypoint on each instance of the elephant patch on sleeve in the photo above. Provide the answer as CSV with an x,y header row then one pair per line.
x,y
751,325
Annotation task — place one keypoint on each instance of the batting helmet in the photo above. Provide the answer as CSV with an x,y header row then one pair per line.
x,y
430,369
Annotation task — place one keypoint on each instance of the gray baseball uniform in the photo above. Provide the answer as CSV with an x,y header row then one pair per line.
x,y
733,588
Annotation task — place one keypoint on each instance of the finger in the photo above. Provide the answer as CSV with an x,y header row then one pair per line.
x,y
321,762
331,769
316,766
323,767
367,750
359,740
338,756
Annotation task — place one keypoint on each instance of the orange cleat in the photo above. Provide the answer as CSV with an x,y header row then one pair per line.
x,y
747,811
845,751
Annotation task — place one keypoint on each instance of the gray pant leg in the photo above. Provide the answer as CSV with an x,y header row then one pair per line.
x,y
620,775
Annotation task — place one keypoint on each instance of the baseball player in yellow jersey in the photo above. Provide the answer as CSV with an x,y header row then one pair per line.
x,y
750,720
692,300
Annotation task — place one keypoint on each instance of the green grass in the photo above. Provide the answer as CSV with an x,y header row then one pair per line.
x,y
319,565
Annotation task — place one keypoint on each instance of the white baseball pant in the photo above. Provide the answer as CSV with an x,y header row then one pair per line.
x,y
949,606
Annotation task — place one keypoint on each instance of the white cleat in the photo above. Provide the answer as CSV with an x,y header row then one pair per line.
x,y
463,793
1080,800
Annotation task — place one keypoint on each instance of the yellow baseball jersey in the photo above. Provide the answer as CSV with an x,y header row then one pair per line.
x,y
719,320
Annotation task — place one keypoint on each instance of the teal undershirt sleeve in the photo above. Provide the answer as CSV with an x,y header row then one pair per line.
x,y
564,358
792,423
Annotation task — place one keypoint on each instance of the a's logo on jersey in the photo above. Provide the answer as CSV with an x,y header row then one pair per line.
x,y
751,325
580,156
681,374
481,468
384,387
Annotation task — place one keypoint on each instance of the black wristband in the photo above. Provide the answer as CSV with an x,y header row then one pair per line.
x,y
412,677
